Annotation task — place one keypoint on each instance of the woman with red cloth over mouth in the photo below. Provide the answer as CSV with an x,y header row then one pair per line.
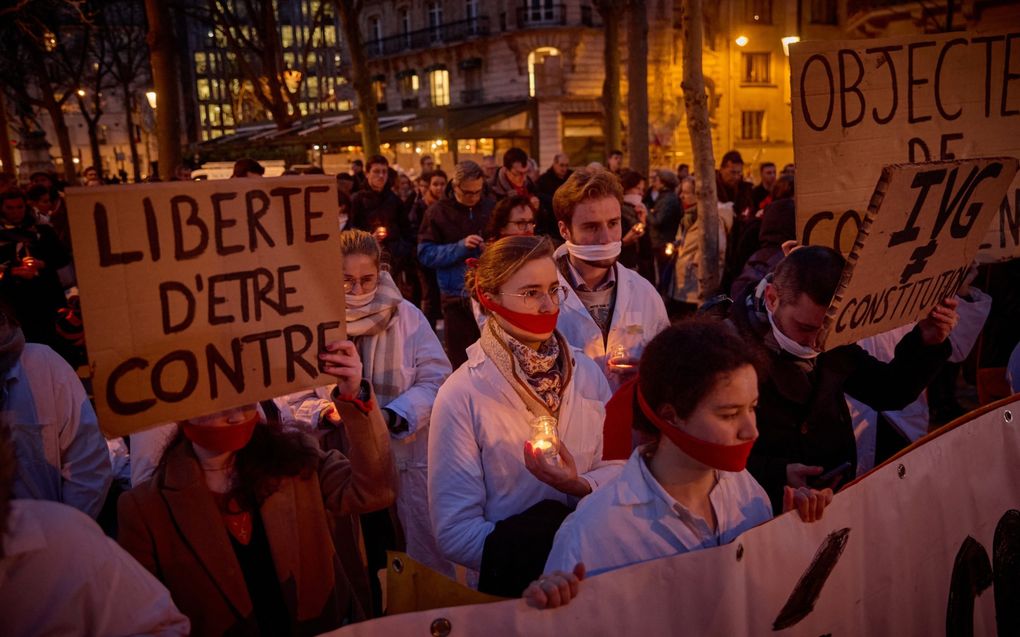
x,y
497,490
240,519
688,488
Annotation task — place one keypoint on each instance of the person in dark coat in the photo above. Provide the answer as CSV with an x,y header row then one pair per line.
x,y
731,188
803,420
778,225
377,210
451,233
30,257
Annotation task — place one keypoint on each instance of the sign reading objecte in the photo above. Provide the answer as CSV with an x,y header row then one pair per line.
x,y
201,296
919,236
862,104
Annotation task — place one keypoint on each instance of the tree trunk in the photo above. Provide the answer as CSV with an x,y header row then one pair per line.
x,y
696,105
129,121
637,85
6,151
97,155
360,79
611,129
63,134
164,75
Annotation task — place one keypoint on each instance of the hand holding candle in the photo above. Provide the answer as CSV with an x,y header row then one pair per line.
x,y
621,362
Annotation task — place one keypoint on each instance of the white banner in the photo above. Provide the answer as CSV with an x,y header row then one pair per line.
x,y
911,549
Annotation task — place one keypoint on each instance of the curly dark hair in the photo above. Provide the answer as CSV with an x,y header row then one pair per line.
x,y
270,455
682,364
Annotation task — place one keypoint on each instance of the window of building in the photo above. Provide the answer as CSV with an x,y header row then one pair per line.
x,y
379,88
434,14
286,36
758,11
538,56
751,125
824,12
409,85
329,35
755,68
201,67
375,33
439,86
202,86
471,9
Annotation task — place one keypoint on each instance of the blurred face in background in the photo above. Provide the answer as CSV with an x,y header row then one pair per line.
x,y
377,176
437,186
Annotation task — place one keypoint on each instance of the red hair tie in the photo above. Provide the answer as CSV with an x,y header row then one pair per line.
x,y
471,262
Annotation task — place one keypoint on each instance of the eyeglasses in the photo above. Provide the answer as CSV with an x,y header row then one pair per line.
x,y
469,193
367,284
522,225
533,298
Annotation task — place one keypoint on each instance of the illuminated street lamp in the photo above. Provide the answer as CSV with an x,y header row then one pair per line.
x,y
787,41
81,92
151,97
742,40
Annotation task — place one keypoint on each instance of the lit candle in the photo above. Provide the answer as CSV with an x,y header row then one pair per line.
x,y
669,249
380,232
544,435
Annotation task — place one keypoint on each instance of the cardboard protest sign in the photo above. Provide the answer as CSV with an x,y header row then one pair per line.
x,y
919,236
861,104
924,545
201,296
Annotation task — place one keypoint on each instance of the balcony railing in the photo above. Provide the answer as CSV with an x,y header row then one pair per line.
x,y
541,14
445,33
472,96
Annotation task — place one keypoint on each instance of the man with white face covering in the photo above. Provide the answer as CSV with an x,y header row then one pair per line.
x,y
612,312
803,421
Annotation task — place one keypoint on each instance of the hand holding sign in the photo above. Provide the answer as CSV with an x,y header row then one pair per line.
x,y
341,360
936,327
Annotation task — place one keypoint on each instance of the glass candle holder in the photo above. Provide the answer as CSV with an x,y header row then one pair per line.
x,y
620,358
544,435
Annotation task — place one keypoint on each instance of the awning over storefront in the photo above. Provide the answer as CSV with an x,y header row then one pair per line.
x,y
496,120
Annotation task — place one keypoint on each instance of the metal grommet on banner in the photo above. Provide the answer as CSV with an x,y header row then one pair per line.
x,y
740,552
901,471
398,566
1007,415
441,627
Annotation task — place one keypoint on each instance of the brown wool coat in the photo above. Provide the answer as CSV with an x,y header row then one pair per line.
x,y
172,526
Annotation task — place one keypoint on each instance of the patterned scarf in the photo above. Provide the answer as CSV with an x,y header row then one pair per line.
x,y
540,377
380,355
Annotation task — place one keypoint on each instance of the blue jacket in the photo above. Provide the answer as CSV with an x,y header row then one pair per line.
x,y
441,240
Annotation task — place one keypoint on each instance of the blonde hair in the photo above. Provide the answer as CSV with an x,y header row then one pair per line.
x,y
502,259
359,242
583,185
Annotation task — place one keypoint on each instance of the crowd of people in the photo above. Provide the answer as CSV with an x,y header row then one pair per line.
x,y
536,389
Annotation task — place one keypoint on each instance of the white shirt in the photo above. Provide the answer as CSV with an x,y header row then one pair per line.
x,y
479,426
633,519
62,456
638,316
912,420
61,576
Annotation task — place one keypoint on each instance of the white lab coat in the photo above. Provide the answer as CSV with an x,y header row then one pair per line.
x,y
638,316
634,519
62,456
912,420
477,475
60,575
423,368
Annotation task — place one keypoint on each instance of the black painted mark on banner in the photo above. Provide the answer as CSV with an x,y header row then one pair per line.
x,y
973,573
802,600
